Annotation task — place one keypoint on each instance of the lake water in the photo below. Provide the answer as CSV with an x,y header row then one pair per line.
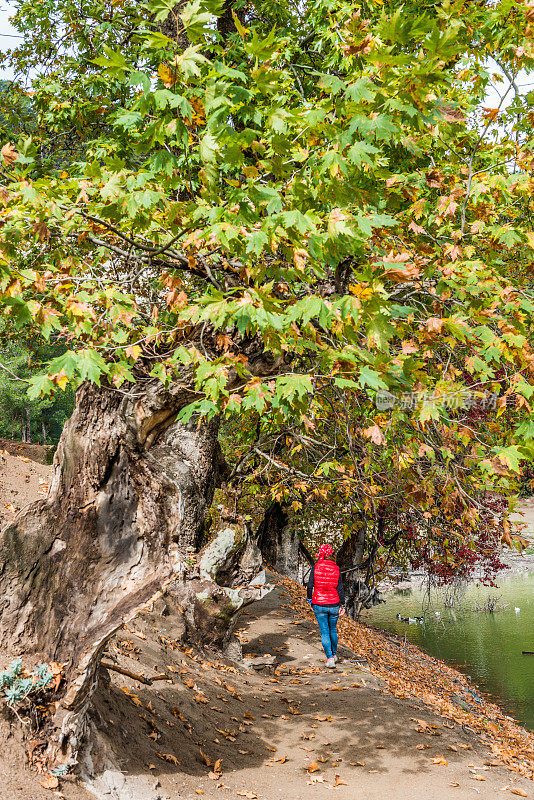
x,y
486,647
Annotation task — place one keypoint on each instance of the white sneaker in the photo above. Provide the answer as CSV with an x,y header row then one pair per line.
x,y
336,659
331,663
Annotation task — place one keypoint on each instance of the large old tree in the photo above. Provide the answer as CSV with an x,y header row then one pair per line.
x,y
242,212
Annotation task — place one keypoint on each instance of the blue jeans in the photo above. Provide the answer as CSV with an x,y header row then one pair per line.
x,y
327,617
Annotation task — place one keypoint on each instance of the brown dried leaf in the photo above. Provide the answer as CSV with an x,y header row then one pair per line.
x,y
9,154
168,757
339,782
440,760
313,766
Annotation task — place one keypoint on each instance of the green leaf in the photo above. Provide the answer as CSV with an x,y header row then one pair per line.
x,y
371,378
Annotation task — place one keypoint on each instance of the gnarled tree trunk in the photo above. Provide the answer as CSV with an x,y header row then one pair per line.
x,y
121,523
350,559
278,543
356,571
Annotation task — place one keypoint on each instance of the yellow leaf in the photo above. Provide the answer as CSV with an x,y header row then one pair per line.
x,y
530,239
166,75
440,760
250,172
60,379
519,792
134,351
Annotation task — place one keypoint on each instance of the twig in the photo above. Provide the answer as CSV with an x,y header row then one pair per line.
x,y
6,369
134,675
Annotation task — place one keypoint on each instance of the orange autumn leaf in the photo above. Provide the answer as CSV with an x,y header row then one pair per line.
x,y
50,782
168,757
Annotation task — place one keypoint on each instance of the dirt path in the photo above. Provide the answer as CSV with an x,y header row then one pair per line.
x,y
22,480
283,735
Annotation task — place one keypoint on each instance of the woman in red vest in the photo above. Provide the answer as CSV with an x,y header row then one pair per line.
x,y
327,597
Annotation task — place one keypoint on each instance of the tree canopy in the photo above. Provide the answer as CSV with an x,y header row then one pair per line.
x,y
307,215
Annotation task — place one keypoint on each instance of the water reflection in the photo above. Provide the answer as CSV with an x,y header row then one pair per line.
x,y
486,646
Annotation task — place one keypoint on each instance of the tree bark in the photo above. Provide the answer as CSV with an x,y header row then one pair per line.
x,y
122,521
350,559
279,545
356,571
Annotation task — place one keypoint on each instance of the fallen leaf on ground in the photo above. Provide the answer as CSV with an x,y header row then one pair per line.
x,y
339,782
454,783
139,634
316,779
440,760
199,791
281,760
313,766
479,778
248,795
133,697
50,782
520,792
168,757
357,763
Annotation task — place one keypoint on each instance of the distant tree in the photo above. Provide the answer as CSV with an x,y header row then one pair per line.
x,y
40,419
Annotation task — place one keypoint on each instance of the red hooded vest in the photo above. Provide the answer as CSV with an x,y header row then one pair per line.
x,y
325,581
